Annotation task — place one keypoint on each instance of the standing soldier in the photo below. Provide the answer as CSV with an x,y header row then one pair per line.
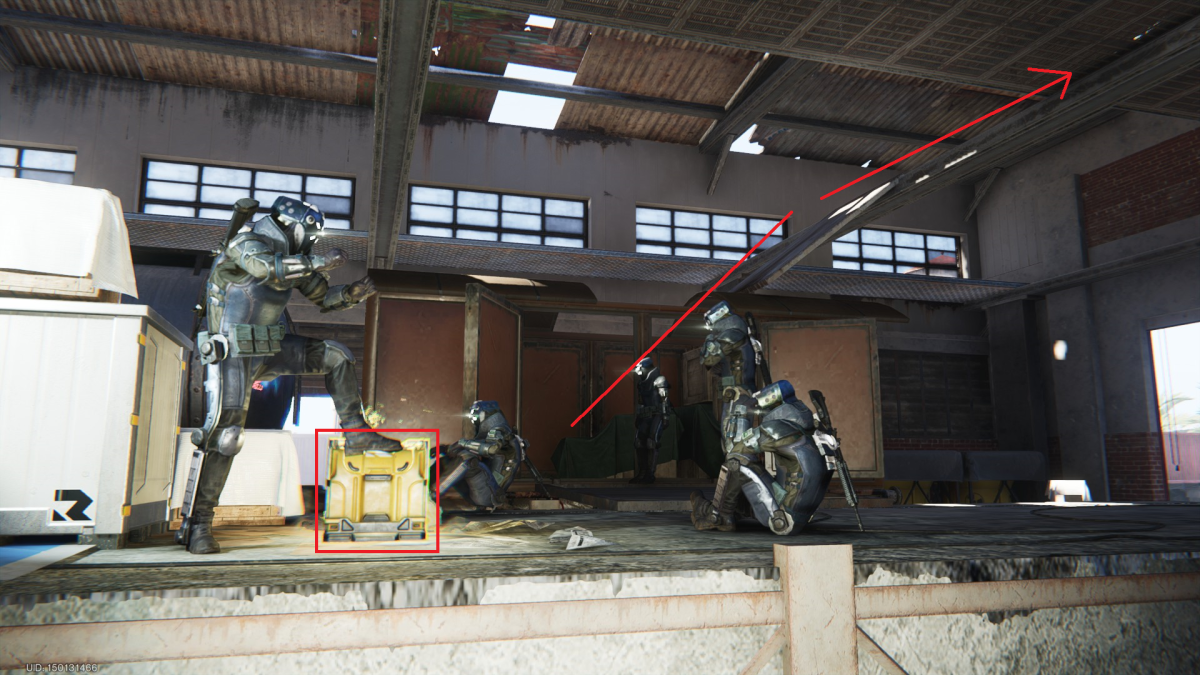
x,y
653,416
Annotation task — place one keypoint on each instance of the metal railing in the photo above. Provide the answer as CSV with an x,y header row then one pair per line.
x,y
817,598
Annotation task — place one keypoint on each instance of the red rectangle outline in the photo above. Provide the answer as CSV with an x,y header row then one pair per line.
x,y
437,530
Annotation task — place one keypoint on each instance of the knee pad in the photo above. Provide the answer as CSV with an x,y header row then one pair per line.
x,y
336,354
229,441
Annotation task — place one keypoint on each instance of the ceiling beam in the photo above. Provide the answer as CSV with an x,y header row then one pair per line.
x,y
928,31
405,44
777,79
1031,131
1044,39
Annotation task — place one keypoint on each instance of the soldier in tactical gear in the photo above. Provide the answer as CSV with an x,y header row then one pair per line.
x,y
805,459
255,271
486,464
653,415
730,347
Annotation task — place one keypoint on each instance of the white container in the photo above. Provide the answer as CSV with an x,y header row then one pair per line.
x,y
89,408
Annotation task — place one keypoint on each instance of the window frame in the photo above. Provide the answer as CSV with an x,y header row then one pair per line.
x,y
22,148
861,260
499,228
751,237
263,208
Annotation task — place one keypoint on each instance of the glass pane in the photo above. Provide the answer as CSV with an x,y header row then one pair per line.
x,y
729,223
908,239
876,237
478,200
433,214
216,214
653,233
337,224
558,207
179,192
846,250
48,176
685,236
267,197
853,236
692,252
650,248
520,221
653,216
172,171
477,217
477,235
728,255
693,220
760,226
45,159
877,252
910,270
845,265
876,267
943,273
564,225
563,241
221,195
163,209
771,241
426,195
522,204
430,231
8,156
215,175
910,254
521,238
943,257
340,187
943,243
286,182
730,239
339,205
7,172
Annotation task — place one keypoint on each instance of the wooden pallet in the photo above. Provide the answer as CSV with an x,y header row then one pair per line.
x,y
239,515
53,287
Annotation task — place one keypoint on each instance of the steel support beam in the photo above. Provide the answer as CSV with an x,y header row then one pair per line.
x,y
981,190
406,42
1030,131
776,79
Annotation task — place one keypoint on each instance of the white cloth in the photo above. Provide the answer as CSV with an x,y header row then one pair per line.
x,y
265,473
66,230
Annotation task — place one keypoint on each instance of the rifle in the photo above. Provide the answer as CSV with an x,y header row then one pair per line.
x,y
760,359
843,470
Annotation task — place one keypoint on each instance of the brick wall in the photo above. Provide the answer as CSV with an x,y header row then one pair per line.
x,y
1136,470
959,444
1157,186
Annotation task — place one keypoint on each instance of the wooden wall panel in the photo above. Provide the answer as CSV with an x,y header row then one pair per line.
x,y
553,393
611,359
499,374
417,361
841,359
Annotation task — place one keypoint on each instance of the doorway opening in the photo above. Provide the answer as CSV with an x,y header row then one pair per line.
x,y
1177,384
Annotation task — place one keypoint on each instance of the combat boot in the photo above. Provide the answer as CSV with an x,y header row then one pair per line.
x,y
201,540
706,517
358,442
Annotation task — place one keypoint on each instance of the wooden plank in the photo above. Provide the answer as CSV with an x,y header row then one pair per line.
x,y
818,600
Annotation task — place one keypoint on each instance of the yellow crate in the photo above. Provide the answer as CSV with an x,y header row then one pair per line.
x,y
379,496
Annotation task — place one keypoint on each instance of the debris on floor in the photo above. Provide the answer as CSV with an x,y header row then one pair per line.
x,y
464,526
577,537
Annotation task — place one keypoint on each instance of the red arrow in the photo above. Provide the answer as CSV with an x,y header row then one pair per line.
x,y
1065,79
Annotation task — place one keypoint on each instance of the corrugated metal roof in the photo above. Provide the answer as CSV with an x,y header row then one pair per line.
x,y
635,63
70,52
541,262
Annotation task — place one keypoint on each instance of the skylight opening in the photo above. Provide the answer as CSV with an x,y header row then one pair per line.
x,y
866,164
743,143
527,110
540,21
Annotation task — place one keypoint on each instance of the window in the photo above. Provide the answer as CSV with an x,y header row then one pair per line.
x,y
207,191
874,250
48,165
701,235
492,216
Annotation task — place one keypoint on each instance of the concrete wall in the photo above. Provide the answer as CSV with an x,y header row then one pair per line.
x,y
1030,228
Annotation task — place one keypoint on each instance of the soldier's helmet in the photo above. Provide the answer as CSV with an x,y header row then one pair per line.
x,y
719,311
300,221
481,410
644,366
774,395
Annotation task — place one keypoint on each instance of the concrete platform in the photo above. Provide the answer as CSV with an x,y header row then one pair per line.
x,y
667,497
516,544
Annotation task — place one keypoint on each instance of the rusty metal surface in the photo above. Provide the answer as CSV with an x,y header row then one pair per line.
x,y
634,63
553,389
499,367
610,360
69,52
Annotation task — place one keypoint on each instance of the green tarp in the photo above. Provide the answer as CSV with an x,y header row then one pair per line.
x,y
693,434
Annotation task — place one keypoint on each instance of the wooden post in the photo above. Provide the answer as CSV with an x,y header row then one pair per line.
x,y
818,599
